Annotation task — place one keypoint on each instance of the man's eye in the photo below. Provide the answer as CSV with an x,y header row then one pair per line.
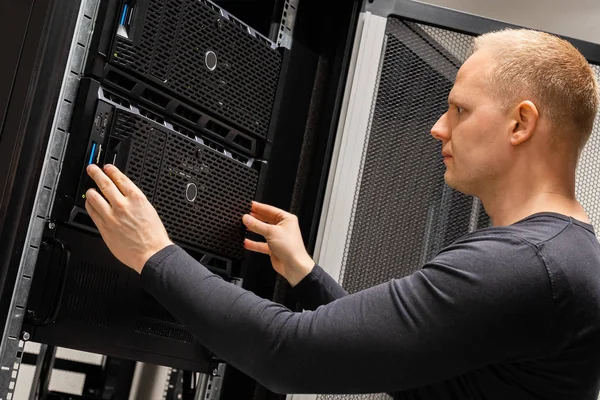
x,y
460,110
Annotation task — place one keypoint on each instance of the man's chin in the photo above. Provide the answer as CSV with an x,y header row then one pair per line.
x,y
453,184
449,181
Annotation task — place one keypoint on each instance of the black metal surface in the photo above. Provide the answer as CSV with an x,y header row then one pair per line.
x,y
27,122
459,21
105,311
102,308
49,247
172,39
325,115
14,19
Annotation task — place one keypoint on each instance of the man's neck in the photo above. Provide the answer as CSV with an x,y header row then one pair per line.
x,y
508,207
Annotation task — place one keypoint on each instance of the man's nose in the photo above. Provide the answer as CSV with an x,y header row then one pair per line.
x,y
440,130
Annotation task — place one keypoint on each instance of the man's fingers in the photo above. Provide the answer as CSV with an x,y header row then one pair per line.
x,y
256,226
121,181
257,246
263,218
105,184
268,219
94,214
268,213
98,202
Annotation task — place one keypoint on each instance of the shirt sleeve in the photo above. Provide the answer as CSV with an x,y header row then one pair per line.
x,y
470,307
317,289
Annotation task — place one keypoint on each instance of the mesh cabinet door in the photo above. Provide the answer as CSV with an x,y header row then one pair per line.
x,y
389,210
400,212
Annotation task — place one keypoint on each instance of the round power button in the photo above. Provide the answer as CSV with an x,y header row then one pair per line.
x,y
191,192
210,60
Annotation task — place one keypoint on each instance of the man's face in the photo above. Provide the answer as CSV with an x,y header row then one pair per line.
x,y
475,131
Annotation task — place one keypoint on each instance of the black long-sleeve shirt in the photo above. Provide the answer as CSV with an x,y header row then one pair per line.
x,y
503,313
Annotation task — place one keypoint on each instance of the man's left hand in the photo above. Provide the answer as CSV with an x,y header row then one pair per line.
x,y
128,223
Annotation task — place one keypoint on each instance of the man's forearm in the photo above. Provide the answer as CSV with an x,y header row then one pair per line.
x,y
317,289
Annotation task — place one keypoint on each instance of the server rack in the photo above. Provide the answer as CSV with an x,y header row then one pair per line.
x,y
40,239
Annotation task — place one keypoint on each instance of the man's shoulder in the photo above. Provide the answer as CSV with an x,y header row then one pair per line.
x,y
544,248
533,231
500,254
491,243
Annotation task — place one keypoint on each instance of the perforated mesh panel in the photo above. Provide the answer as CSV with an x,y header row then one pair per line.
x,y
87,289
163,163
403,211
176,36
587,185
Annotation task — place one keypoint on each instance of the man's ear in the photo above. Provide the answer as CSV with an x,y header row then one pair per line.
x,y
525,120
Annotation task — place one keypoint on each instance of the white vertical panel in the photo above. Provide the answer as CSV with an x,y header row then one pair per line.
x,y
350,142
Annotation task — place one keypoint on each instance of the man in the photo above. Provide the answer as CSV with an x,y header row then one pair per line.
x,y
507,312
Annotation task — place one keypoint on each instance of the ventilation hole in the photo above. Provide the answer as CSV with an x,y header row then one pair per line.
x,y
243,141
184,131
155,98
120,80
214,145
188,114
150,115
163,330
218,264
84,219
240,158
116,99
217,128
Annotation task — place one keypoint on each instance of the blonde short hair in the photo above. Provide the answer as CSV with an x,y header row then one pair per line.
x,y
549,71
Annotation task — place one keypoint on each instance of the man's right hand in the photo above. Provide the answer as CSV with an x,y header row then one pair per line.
x,y
284,241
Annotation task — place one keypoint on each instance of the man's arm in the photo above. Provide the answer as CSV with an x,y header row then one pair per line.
x,y
440,322
480,302
316,289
